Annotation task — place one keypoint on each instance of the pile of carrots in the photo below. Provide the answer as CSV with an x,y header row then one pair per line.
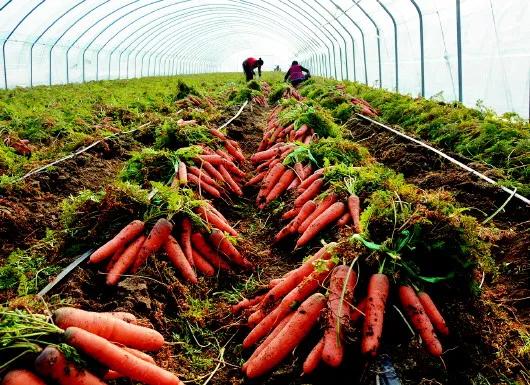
x,y
292,92
215,172
21,146
112,340
189,251
366,108
195,101
280,328
260,100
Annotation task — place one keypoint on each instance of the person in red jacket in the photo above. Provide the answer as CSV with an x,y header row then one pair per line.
x,y
296,75
249,65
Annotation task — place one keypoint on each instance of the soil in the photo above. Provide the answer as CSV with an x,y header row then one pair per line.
x,y
481,326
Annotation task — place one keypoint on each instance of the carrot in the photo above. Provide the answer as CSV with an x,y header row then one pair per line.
x,y
155,240
344,220
414,309
112,375
139,354
341,287
211,170
221,243
111,328
178,259
374,314
185,239
22,377
118,359
322,206
231,183
258,178
311,192
285,180
122,315
183,173
218,134
213,191
202,264
125,261
213,159
230,166
216,212
291,335
355,208
268,165
245,303
329,216
262,156
203,176
117,254
127,234
300,131
433,313
214,221
52,363
307,139
306,211
291,213
299,170
232,150
304,289
267,340
274,282
314,357
200,244
269,181
310,179
357,312
224,154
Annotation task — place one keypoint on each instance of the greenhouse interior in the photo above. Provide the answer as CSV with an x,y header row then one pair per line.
x,y
272,192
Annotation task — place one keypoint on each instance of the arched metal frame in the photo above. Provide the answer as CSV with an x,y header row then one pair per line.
x,y
317,35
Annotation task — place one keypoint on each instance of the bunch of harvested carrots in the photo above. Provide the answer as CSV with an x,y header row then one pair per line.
x,y
280,328
260,100
365,107
195,101
205,252
214,172
113,340
292,92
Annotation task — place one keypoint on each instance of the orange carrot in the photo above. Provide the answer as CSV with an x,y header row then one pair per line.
x,y
341,287
230,181
214,221
433,313
202,264
155,240
125,261
185,239
245,304
280,186
225,155
374,314
112,375
300,131
218,134
214,211
203,176
322,206
22,377
178,259
354,206
231,167
213,191
357,312
269,181
200,244
183,173
344,220
127,234
118,359
211,170
274,282
329,216
262,156
291,213
139,354
310,179
123,315
311,192
291,335
304,289
305,212
117,254
232,150
52,363
314,357
109,327
222,244
268,165
258,178
267,341
414,309
213,159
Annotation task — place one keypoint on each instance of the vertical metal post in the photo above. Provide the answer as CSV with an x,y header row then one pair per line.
x,y
396,57
459,51
378,41
422,53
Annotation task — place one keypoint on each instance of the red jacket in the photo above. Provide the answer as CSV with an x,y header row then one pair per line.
x,y
252,62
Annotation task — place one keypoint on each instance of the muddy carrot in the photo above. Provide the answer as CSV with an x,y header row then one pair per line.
x,y
204,177
127,234
355,208
125,261
344,220
291,335
123,315
269,181
420,322
222,244
118,359
111,328
357,312
178,259
309,193
185,239
213,191
211,170
332,213
183,173
314,357
433,313
22,377
215,221
376,297
51,363
322,206
202,264
291,213
231,182
117,254
280,186
155,240
310,179
245,304
234,152
262,156
258,178
200,244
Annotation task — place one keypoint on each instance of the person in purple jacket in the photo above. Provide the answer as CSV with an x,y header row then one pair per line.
x,y
296,75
